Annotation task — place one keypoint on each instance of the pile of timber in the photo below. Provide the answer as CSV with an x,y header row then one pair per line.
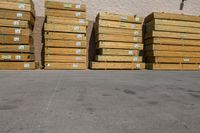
x,y
16,41
65,36
172,42
118,42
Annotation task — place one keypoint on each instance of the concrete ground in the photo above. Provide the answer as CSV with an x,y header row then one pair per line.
x,y
99,102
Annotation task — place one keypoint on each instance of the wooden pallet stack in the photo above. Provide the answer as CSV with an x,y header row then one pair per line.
x,y
172,42
118,42
65,36
16,42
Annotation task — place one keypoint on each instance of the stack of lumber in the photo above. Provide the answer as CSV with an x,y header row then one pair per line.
x,y
118,42
16,42
65,36
172,42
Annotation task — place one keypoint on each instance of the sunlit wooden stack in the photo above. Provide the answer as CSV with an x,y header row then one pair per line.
x,y
65,36
16,42
118,42
172,42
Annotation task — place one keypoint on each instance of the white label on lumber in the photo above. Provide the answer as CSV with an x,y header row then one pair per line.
x,y
186,60
67,5
199,66
130,52
138,66
75,65
79,58
123,17
21,6
18,57
135,39
135,59
21,47
136,33
16,23
78,44
78,14
78,51
78,6
19,15
6,57
26,65
16,39
76,28
133,26
79,36
137,19
82,21
48,65
17,31
136,45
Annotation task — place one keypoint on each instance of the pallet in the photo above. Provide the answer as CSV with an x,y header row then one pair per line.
x,y
14,23
63,13
116,66
65,36
64,28
104,58
17,65
173,67
119,45
15,39
65,51
66,21
65,6
119,52
15,31
65,44
17,48
65,59
16,57
121,18
65,66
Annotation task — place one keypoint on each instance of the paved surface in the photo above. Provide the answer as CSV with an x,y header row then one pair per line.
x,y
99,102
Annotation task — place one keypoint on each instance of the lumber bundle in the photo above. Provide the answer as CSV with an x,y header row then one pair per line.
x,y
118,42
16,41
65,36
172,42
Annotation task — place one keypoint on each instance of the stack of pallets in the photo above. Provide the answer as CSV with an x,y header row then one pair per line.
x,y
118,42
16,42
65,36
172,42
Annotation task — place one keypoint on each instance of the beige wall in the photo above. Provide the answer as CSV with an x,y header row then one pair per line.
x,y
130,7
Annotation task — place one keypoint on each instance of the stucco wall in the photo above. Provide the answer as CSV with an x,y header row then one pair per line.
x,y
130,7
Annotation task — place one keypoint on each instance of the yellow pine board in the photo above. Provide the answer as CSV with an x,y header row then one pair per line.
x,y
15,31
65,51
17,48
20,1
119,45
64,28
15,39
16,57
65,66
17,65
104,58
14,23
65,44
65,59
120,52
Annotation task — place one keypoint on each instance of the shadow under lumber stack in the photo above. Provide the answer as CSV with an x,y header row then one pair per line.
x,y
172,42
65,36
118,42
16,42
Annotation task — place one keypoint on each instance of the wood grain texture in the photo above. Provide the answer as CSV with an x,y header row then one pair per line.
x,y
17,65
65,44
17,48
16,57
65,51
65,59
104,58
65,66
119,45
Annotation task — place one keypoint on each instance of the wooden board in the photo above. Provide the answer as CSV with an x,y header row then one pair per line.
x,y
103,58
65,59
17,65
119,38
64,28
173,67
65,51
65,44
172,16
116,66
16,57
65,21
17,48
117,52
65,66
65,36
173,60
117,17
14,23
122,25
15,39
20,1
63,13
65,6
15,31
119,45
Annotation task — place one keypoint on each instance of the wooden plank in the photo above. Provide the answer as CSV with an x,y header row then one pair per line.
x,y
65,51
63,13
117,52
116,66
17,48
117,17
65,66
65,36
173,67
65,59
64,28
16,57
65,6
65,21
122,25
15,31
65,44
14,23
103,58
19,1
119,38
172,35
119,45
15,39
17,65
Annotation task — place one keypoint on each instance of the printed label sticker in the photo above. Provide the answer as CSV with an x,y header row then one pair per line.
x,y
17,31
18,57
82,21
75,65
78,14
186,60
136,33
79,36
67,5
78,43
16,23
136,45
78,58
19,14
137,19
26,65
16,39
135,59
78,51
130,52
21,47
6,57
21,6
138,66
76,28
78,6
